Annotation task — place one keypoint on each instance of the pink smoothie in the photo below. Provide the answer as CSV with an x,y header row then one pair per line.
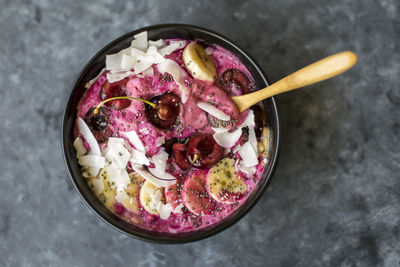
x,y
191,120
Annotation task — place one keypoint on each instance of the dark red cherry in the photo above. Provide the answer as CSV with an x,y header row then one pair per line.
x,y
113,90
99,124
180,155
233,78
206,149
166,112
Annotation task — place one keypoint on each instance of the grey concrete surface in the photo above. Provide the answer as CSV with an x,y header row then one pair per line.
x,y
335,198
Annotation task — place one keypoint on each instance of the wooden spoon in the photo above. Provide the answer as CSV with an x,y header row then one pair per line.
x,y
321,70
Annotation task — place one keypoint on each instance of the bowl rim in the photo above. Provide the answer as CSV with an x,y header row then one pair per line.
x,y
223,225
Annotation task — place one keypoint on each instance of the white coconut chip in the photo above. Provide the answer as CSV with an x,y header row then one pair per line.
x,y
173,45
253,139
236,148
248,155
118,176
245,169
116,152
113,62
79,147
142,66
89,137
128,62
139,158
119,75
165,211
98,186
227,139
140,41
157,43
94,161
149,72
249,121
219,114
136,52
178,74
149,177
134,140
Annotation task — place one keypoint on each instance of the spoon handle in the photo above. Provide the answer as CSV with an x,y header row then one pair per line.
x,y
321,70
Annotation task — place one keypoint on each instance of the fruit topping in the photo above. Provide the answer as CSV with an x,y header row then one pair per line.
x,y
172,194
180,155
233,80
115,89
223,184
198,63
206,149
99,123
166,112
195,196
151,198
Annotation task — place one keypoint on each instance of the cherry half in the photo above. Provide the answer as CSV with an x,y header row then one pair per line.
x,y
236,78
206,149
166,112
201,151
99,123
115,89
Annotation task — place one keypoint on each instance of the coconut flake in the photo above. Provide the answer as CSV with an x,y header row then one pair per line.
x,y
157,43
152,179
89,137
236,149
113,62
140,41
92,161
119,75
128,62
228,139
249,121
149,72
142,66
246,170
118,176
139,158
165,211
178,74
116,152
79,147
213,111
173,45
253,139
134,140
248,155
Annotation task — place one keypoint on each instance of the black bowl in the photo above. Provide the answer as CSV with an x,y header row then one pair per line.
x,y
94,66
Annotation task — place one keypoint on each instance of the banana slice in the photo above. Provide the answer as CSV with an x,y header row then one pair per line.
x,y
132,190
108,194
151,197
223,184
198,63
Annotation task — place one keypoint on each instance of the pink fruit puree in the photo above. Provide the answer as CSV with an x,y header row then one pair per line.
x,y
192,120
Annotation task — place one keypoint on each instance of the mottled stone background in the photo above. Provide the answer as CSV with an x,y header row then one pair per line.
x,y
335,198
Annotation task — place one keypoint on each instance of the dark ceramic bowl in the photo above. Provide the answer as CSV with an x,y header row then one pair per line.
x,y
93,68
